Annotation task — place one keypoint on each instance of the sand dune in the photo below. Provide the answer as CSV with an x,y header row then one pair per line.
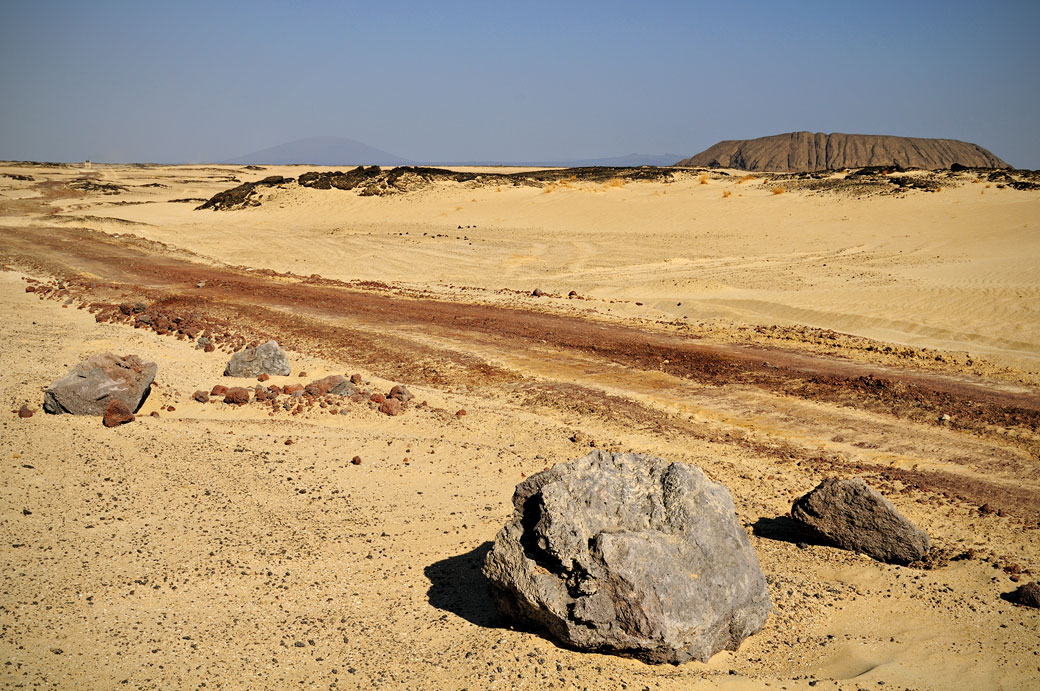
x,y
772,339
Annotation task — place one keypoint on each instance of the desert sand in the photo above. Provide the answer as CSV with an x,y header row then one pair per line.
x,y
771,338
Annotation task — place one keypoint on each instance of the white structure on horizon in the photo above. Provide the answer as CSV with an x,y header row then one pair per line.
x,y
86,164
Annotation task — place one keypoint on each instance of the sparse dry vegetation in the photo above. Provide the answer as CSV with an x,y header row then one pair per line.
x,y
704,178
746,178
726,194
779,190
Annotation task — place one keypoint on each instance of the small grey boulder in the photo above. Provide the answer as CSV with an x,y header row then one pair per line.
x,y
854,516
97,381
631,555
267,358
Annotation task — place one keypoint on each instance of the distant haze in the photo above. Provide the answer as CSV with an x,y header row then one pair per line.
x,y
508,82
321,151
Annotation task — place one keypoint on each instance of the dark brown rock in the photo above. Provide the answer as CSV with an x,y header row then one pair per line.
x,y
1027,595
238,197
856,517
201,396
355,379
237,395
117,413
263,377
377,398
460,413
356,460
401,393
334,383
218,390
391,406
25,411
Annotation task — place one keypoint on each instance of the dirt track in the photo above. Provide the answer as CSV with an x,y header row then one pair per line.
x,y
991,437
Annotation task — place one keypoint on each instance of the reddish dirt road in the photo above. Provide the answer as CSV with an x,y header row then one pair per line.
x,y
441,342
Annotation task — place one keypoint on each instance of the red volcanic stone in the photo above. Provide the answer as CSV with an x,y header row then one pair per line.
x,y
30,289
391,406
302,374
460,413
356,460
377,398
401,393
201,396
263,377
208,348
355,379
275,389
288,442
292,388
320,387
126,308
25,411
154,413
358,398
237,395
170,408
117,414
218,390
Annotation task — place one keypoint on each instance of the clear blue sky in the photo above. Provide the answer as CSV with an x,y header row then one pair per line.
x,y
187,81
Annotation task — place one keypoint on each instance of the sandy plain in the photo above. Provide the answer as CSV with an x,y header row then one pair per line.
x,y
771,339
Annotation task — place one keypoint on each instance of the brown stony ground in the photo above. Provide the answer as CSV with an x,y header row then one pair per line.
x,y
240,546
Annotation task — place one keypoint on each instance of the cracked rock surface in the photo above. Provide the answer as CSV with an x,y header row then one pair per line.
x,y
629,554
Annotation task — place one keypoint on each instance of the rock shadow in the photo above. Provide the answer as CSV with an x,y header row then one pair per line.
x,y
457,585
786,529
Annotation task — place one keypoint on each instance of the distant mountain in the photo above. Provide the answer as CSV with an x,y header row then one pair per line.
x,y
629,160
320,151
808,151
621,161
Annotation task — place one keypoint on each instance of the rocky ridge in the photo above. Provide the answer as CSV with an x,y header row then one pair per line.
x,y
812,151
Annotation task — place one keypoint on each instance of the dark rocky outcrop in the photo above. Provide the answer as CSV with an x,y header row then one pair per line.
x,y
632,555
341,181
373,181
240,196
1027,595
95,382
809,151
267,358
854,516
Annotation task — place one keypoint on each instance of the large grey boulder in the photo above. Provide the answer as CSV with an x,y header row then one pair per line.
x,y
267,358
853,515
98,380
629,554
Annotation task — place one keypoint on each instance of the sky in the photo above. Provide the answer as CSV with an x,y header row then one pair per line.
x,y
508,81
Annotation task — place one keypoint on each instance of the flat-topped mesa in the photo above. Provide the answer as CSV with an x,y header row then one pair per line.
x,y
798,152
